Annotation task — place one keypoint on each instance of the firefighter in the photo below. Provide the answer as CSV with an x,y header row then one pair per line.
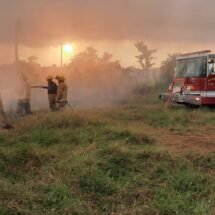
x,y
23,105
52,92
62,91
3,119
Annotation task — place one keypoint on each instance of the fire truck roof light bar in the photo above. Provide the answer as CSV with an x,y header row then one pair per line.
x,y
195,53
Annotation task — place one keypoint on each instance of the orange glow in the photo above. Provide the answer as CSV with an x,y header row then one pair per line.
x,y
68,48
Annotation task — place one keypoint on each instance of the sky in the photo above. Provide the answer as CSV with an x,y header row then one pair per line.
x,y
114,25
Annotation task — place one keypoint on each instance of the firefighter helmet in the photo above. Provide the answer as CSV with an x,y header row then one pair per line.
x,y
60,77
49,77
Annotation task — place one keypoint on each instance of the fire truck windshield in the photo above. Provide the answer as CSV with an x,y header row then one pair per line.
x,y
191,67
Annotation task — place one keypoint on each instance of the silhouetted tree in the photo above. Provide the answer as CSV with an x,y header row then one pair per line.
x,y
145,57
168,67
94,71
32,59
106,57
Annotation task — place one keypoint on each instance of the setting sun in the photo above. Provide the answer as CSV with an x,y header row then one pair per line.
x,y
68,48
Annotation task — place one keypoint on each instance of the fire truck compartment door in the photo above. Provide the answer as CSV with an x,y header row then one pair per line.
x,y
210,88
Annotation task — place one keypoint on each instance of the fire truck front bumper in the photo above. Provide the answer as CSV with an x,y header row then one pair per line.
x,y
181,98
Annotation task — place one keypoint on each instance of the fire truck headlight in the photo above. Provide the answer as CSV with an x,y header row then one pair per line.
x,y
197,99
190,88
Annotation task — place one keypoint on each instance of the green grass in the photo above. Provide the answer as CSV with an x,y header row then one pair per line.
x,y
107,161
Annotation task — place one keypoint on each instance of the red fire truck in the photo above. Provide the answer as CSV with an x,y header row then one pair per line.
x,y
194,80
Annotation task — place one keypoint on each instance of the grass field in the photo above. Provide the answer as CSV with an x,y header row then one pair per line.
x,y
133,158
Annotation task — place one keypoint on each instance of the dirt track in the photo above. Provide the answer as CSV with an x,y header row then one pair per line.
x,y
185,143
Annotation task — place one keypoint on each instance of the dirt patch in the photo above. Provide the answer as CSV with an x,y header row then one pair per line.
x,y
188,143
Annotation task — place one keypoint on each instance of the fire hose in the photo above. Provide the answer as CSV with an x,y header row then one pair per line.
x,y
43,87
58,102
68,104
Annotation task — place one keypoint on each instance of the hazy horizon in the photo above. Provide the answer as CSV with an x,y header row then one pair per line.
x,y
168,26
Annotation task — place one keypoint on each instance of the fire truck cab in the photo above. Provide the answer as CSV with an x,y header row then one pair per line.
x,y
194,80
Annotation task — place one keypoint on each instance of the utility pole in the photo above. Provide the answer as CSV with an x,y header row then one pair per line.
x,y
61,56
17,28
